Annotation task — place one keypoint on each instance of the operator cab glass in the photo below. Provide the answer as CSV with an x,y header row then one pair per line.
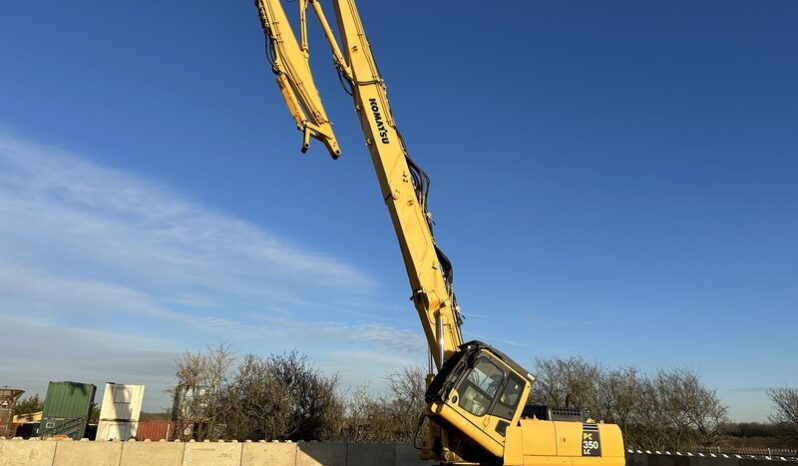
x,y
479,388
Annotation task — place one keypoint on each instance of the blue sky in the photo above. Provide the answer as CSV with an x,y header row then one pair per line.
x,y
611,179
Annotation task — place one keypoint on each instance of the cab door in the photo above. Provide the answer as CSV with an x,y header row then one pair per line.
x,y
488,396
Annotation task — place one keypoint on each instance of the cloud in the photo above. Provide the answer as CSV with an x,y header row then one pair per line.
x,y
106,275
34,290
66,216
750,389
49,353
113,218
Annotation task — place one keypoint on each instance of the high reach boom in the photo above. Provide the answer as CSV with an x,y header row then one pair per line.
x,y
477,401
403,184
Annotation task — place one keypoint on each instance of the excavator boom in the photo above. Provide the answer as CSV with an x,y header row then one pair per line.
x,y
403,184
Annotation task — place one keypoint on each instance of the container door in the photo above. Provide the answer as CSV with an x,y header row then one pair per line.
x,y
122,398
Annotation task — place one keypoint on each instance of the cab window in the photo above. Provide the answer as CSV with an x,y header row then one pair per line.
x,y
508,401
480,387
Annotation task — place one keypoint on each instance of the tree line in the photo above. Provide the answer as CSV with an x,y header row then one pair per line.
x,y
286,397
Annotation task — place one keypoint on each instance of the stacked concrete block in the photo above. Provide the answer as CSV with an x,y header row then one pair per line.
x,y
321,453
27,452
155,453
86,453
271,453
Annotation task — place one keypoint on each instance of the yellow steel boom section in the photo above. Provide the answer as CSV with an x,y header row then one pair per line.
x,y
290,64
403,184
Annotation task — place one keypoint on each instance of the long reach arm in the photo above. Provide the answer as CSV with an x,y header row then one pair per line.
x,y
403,184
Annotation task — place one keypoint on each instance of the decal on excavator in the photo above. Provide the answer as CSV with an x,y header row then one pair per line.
x,y
378,120
591,441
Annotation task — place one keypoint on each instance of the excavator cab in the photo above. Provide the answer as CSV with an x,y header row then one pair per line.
x,y
478,401
479,392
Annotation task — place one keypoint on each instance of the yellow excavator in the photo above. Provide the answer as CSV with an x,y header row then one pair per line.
x,y
477,401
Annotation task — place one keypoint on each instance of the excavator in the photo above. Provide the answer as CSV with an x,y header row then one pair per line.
x,y
477,401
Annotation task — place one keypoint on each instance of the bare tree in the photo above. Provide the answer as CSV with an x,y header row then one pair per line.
x,y
705,413
201,377
619,397
785,403
648,428
669,410
367,418
392,417
678,411
407,403
568,382
282,397
670,403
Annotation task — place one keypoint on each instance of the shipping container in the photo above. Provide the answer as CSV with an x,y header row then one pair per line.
x,y
121,402
116,430
190,402
66,409
120,411
68,399
156,430
74,428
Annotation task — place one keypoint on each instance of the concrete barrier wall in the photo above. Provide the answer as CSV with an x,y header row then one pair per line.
x,y
641,458
131,453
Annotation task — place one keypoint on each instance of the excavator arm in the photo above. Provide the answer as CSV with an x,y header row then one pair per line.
x,y
290,64
403,184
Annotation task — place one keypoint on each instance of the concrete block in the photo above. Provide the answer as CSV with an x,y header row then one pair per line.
x,y
26,453
272,453
321,454
636,459
720,461
407,455
370,454
152,454
212,454
668,460
69,453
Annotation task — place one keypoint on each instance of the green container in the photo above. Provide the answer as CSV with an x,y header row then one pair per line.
x,y
67,409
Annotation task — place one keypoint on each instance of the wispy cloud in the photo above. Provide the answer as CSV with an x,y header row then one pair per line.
x,y
136,226
750,389
53,353
92,257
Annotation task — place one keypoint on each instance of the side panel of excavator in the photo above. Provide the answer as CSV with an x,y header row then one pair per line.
x,y
535,442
